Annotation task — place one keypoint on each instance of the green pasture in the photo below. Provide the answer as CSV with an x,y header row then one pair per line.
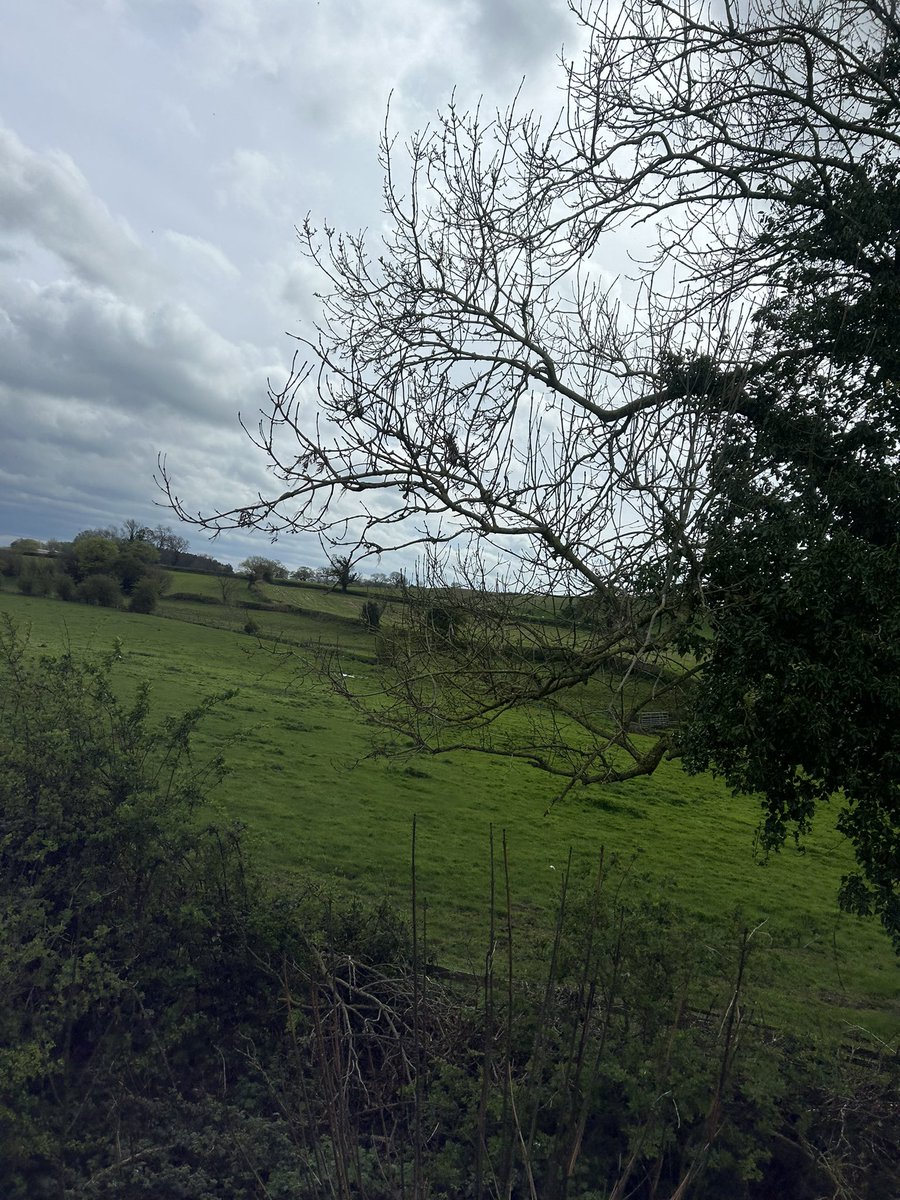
x,y
322,601
318,809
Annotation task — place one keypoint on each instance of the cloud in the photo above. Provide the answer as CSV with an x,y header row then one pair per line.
x,y
519,37
47,198
336,64
251,180
84,425
72,341
104,366
201,252
228,119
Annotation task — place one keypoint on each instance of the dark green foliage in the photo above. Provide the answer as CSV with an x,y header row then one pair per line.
x,y
10,564
134,560
800,695
99,589
126,967
91,554
36,577
145,596
65,587
128,559
601,611
445,619
841,284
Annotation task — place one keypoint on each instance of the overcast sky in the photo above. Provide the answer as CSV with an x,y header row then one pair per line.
x,y
155,156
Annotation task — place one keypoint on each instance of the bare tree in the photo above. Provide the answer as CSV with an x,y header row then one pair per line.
x,y
546,432
133,530
170,544
340,569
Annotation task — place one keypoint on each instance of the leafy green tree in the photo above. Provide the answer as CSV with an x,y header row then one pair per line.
x,y
10,564
37,577
144,597
102,590
106,533
266,569
92,555
800,700
101,552
65,587
134,560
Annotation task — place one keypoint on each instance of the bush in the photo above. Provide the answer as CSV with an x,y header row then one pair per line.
x,y
134,952
144,596
446,620
267,569
99,589
251,627
370,614
36,579
10,564
65,587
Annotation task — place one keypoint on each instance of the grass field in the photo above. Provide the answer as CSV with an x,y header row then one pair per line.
x,y
316,806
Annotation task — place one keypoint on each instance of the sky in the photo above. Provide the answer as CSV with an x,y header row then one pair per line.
x,y
155,159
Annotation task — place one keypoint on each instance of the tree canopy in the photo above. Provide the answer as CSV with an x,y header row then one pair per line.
x,y
268,569
702,455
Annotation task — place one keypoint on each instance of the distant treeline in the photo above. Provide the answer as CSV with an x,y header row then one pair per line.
x,y
109,567
172,547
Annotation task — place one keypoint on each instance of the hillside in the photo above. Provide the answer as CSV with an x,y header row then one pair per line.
x,y
316,805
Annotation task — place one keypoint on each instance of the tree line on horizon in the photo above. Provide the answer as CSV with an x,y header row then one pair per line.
x,y
105,566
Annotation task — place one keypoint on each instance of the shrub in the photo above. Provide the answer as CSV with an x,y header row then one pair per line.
x,y
251,627
370,614
99,589
36,579
10,564
446,620
144,596
65,587
267,569
123,916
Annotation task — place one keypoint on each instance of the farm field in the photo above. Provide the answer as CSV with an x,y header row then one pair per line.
x,y
318,809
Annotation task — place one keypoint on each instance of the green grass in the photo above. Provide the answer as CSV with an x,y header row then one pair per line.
x,y
315,805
